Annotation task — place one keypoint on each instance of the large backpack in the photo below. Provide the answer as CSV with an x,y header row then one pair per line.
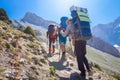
x,y
51,30
80,23
63,24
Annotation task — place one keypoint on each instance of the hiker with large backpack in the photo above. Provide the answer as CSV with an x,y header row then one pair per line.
x,y
52,36
62,40
79,27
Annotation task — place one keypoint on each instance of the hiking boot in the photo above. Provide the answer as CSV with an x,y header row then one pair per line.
x,y
90,73
83,78
49,55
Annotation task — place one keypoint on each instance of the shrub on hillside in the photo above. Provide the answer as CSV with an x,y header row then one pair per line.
x,y
52,71
43,61
3,16
10,47
97,66
116,76
21,28
29,30
0,33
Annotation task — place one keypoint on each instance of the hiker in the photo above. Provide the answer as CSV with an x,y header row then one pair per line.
x,y
79,41
52,36
62,40
80,50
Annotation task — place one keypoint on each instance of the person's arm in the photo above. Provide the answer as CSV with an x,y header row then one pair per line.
x,y
64,34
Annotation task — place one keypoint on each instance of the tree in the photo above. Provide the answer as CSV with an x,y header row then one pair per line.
x,y
3,16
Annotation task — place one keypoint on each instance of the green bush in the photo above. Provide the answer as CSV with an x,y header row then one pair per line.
x,y
30,45
35,60
29,30
116,76
43,61
3,16
52,71
4,44
1,70
14,43
0,33
10,47
1,48
97,66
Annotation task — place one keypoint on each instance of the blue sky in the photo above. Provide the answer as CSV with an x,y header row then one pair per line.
x,y
100,11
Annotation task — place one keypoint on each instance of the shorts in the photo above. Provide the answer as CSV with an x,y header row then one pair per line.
x,y
62,39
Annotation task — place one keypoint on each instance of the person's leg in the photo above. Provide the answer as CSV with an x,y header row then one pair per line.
x,y
53,45
64,50
49,45
63,57
85,59
86,64
80,60
83,44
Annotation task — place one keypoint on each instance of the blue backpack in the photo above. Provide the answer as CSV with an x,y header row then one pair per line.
x,y
81,23
63,24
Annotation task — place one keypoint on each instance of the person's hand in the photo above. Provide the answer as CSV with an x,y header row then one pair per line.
x,y
61,32
56,39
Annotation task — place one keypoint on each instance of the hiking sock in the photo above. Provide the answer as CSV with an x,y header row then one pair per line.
x,y
64,56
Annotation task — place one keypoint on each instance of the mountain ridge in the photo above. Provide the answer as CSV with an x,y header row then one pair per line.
x,y
108,32
36,20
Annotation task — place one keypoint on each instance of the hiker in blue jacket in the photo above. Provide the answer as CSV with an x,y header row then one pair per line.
x,y
80,50
62,40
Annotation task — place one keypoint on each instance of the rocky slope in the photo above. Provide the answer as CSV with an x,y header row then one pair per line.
x,y
24,57
39,30
21,55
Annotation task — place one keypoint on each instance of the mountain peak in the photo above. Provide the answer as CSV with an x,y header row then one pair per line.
x,y
31,16
109,32
36,20
117,20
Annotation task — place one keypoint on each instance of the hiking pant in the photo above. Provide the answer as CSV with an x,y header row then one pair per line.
x,y
80,51
52,44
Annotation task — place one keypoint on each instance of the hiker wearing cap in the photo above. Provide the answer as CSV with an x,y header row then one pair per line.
x,y
62,40
52,36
